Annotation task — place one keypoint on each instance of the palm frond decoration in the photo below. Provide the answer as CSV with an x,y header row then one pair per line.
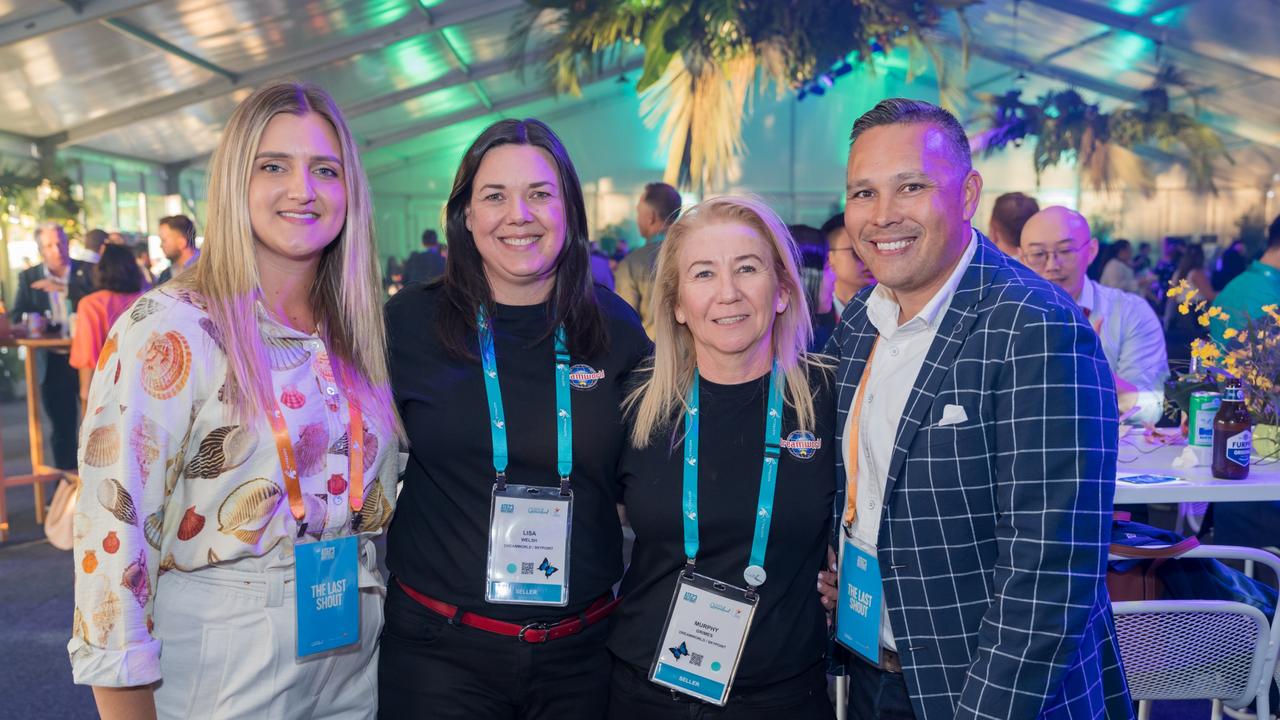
x,y
704,59
1067,127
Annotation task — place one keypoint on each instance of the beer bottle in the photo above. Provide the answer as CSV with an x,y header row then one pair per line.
x,y
1232,434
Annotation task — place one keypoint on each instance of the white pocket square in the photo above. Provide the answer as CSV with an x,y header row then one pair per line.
x,y
952,415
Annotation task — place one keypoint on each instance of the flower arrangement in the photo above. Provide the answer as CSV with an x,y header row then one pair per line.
x,y
1251,354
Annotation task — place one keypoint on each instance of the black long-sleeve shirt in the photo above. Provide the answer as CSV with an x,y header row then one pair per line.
x,y
439,535
788,633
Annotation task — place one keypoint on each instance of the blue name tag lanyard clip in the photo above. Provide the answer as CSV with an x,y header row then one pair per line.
x,y
754,574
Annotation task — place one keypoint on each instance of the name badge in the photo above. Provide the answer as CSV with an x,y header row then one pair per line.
x,y
328,594
861,600
529,546
703,638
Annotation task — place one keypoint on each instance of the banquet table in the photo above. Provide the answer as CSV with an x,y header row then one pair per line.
x,y
1138,456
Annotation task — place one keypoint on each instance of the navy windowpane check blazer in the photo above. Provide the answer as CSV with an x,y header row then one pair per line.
x,y
994,533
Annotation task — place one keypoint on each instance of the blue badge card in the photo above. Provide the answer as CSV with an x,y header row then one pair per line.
x,y
328,594
861,599
703,639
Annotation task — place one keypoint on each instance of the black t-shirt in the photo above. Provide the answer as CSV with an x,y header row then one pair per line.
x,y
788,634
439,535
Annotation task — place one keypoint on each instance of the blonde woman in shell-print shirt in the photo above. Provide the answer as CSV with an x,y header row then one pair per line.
x,y
171,482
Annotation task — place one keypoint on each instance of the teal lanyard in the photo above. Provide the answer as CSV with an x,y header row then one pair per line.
x,y
498,418
754,573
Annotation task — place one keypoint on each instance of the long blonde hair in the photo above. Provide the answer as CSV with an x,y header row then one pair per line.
x,y
347,295
662,396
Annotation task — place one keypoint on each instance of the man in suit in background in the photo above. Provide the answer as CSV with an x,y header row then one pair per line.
x,y
55,287
657,209
977,421
427,264
178,243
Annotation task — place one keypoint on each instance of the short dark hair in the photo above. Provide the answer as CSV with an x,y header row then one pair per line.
x,y
812,244
1011,213
182,224
95,239
903,111
1273,234
117,271
466,288
833,222
664,199
429,238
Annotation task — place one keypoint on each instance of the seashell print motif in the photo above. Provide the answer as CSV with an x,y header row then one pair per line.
x,y
191,525
212,331
247,510
221,450
167,564
292,398
166,363
103,446
370,446
322,367
191,298
375,511
212,557
111,543
116,379
317,513
106,613
310,448
174,465
89,562
79,628
117,501
135,580
145,441
108,349
286,353
143,308
153,528
81,526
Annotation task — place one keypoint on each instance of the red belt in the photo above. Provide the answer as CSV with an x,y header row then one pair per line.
x,y
530,633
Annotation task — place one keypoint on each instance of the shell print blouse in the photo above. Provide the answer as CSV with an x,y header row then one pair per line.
x,y
170,481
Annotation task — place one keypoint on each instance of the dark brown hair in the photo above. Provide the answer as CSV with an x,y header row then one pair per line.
x,y
1011,212
902,111
117,271
466,289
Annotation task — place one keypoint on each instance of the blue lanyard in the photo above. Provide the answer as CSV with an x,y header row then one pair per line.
x,y
498,418
754,573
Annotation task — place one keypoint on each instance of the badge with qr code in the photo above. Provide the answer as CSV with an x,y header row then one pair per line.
x,y
703,638
529,531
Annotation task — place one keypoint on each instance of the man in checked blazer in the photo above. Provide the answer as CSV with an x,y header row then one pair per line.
x,y
980,452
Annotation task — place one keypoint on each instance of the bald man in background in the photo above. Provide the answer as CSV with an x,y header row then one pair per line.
x,y
1057,244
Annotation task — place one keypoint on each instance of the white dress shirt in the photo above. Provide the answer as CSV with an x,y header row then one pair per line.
x,y
899,355
1133,342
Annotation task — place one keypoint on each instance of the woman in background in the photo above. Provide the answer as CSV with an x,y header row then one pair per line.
x,y
119,282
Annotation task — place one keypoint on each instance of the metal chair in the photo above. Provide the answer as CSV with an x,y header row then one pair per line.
x,y
1200,649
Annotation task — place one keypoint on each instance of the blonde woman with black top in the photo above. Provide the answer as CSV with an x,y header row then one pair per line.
x,y
728,481
509,373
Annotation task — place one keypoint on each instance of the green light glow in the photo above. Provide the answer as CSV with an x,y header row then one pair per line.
x,y
456,40
1130,7
1169,17
1127,49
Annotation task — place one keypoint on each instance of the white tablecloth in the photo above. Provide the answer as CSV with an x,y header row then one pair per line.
x,y
1196,484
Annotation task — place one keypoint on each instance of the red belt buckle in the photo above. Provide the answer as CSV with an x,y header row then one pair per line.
x,y
535,627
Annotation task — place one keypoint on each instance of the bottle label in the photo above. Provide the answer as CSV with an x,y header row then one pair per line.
x,y
1239,447
1233,394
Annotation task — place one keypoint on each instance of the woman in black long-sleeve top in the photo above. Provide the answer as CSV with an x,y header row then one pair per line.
x,y
515,319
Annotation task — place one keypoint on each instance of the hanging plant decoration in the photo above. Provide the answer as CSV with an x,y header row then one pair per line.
x,y
1067,127
703,57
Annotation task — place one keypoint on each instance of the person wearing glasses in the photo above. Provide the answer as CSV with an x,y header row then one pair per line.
x,y
851,274
1057,244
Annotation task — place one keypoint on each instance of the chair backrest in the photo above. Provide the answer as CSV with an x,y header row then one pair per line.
x,y
1200,649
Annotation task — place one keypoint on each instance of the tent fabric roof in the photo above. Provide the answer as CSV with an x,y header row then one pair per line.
x,y
156,79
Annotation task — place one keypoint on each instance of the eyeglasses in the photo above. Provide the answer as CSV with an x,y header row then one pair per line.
x,y
1040,258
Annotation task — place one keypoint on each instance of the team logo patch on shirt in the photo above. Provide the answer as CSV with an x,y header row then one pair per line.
x,y
802,444
584,377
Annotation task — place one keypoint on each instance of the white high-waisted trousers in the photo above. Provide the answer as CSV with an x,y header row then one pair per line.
x,y
229,647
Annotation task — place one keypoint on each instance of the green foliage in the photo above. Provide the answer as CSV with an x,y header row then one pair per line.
x,y
1066,127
